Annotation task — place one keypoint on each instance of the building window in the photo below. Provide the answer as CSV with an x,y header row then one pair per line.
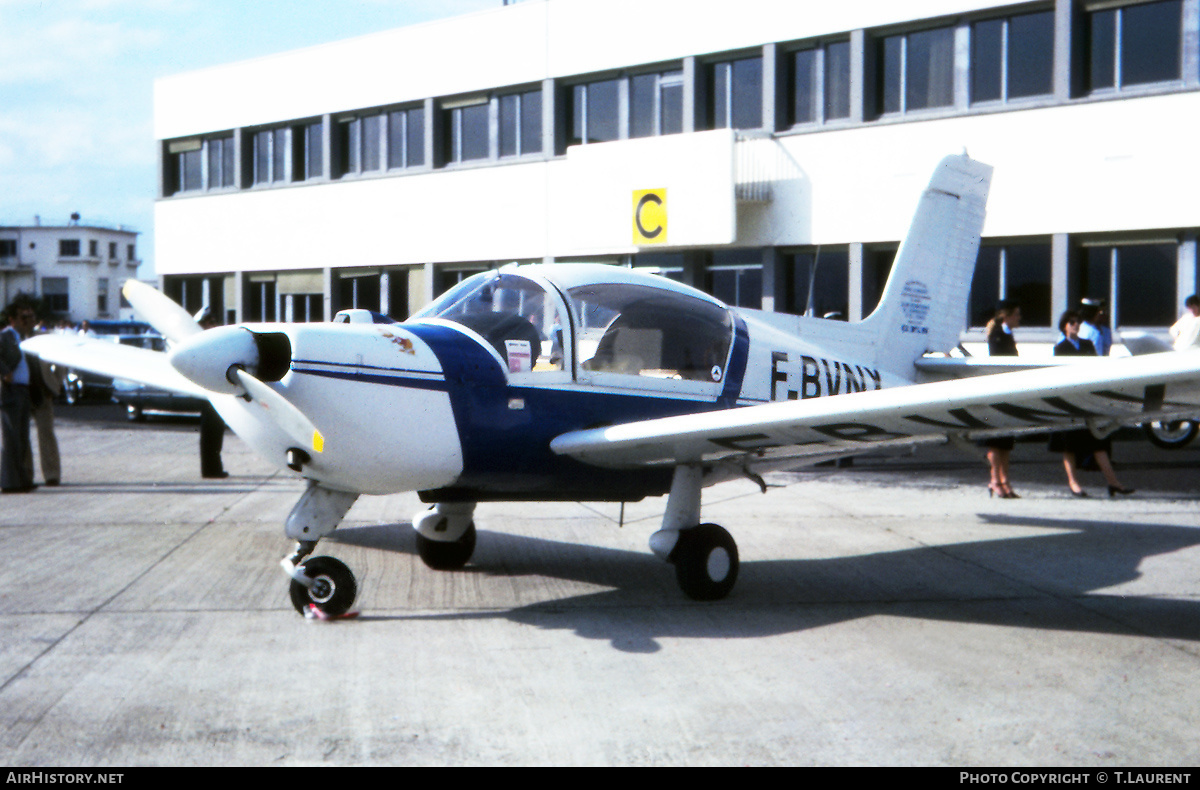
x,y
819,84
129,253
305,308
260,301
93,248
68,248
876,268
56,294
521,123
359,143
8,248
270,156
448,278
595,112
467,129
1012,58
656,104
308,156
735,95
186,161
916,71
735,277
220,162
1020,272
1134,45
112,250
406,138
1138,280
360,291
198,164
102,296
823,289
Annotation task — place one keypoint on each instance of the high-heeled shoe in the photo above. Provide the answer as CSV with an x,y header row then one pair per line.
x,y
1010,494
1081,494
1114,490
995,490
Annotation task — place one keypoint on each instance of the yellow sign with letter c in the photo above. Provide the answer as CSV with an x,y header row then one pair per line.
x,y
649,216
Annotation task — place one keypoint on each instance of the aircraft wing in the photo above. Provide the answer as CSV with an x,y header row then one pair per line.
x,y
112,359
1102,396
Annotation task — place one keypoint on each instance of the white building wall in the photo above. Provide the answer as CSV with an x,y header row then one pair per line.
x,y
1068,164
513,45
856,185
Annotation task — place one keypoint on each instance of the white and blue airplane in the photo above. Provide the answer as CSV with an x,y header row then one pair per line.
x,y
587,382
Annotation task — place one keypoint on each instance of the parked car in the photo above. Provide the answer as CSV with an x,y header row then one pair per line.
x,y
141,400
81,385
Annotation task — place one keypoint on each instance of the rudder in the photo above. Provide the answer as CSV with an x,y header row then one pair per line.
x,y
924,302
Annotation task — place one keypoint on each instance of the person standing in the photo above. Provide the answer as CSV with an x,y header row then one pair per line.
x,y
1001,343
16,454
1094,326
45,384
1185,332
212,427
1078,443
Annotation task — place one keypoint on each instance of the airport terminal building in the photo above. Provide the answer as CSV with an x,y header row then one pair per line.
x,y
729,145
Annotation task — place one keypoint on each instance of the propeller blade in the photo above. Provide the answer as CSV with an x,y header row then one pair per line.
x,y
282,412
162,313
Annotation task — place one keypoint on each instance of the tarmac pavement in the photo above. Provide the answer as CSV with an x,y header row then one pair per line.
x,y
885,614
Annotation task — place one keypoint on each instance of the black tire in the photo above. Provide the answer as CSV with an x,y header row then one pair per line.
x,y
333,590
447,555
1171,435
706,562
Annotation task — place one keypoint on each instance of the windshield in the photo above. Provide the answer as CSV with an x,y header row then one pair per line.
x,y
513,314
645,331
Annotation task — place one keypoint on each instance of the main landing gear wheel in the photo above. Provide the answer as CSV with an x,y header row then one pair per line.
x,y
333,589
1171,435
706,562
447,555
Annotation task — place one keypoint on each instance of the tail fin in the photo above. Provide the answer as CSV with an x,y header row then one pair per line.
x,y
924,302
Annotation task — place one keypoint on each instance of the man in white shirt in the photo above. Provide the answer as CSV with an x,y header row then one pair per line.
x,y
1186,331
1094,327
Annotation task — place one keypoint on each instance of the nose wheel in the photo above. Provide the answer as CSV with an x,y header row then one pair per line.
x,y
325,583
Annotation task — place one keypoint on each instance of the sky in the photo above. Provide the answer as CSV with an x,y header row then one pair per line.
x,y
76,89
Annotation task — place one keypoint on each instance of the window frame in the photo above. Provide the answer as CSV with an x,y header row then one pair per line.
x,y
905,74
455,129
1112,290
663,79
1005,60
1002,286
403,158
1117,63
821,79
271,156
728,64
523,125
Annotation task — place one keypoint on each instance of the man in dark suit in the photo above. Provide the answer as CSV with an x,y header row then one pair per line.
x,y
16,405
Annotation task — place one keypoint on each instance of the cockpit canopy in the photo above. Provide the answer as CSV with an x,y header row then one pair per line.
x,y
619,322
